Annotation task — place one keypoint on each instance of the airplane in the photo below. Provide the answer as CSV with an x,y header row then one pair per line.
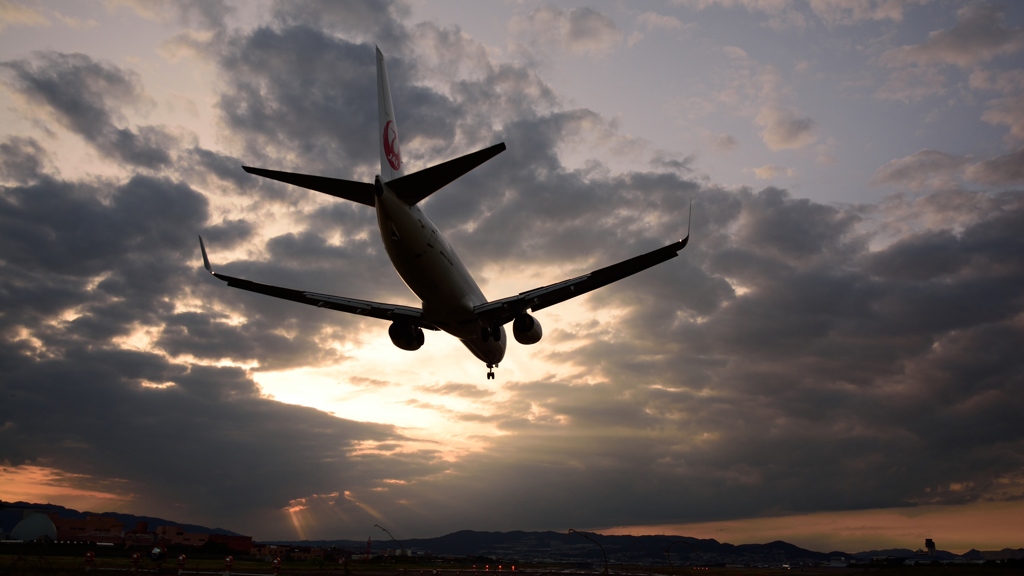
x,y
451,300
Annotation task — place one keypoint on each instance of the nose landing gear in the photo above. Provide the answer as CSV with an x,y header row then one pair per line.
x,y
490,371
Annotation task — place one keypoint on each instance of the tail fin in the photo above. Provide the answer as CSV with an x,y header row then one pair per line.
x,y
390,154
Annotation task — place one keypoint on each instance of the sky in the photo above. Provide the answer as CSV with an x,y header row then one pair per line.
x,y
833,360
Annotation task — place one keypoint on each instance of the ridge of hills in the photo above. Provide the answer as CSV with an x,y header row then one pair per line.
x,y
11,514
529,546
561,547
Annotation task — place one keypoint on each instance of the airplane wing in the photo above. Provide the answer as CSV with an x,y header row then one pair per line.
x,y
413,316
505,310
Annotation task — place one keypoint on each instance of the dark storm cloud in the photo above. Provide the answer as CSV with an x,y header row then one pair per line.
x,y
370,21
84,96
85,264
300,91
22,159
215,168
839,378
197,442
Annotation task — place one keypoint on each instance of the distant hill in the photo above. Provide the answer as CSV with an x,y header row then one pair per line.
x,y
12,512
555,547
561,547
901,553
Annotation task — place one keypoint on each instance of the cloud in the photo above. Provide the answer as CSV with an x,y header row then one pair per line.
x,y
852,355
90,266
848,12
923,169
86,96
15,14
935,170
23,159
736,53
1008,82
725,143
201,13
1008,111
365,21
1001,170
783,129
580,30
770,171
655,21
791,14
464,390
978,36
913,84
783,13
763,92
651,21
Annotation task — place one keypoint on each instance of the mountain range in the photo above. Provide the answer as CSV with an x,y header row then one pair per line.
x,y
533,547
12,512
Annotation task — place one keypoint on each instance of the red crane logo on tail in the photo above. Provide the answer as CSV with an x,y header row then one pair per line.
x,y
391,151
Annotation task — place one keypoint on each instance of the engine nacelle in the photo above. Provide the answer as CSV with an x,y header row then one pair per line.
x,y
526,329
406,336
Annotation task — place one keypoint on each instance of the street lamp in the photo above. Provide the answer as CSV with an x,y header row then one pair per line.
x,y
605,556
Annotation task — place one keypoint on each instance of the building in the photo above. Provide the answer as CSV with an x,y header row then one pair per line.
x,y
175,536
92,528
267,552
236,543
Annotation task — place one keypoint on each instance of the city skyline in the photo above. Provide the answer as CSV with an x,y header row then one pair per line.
x,y
833,357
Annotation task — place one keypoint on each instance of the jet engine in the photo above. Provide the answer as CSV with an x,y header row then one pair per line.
x,y
526,329
406,336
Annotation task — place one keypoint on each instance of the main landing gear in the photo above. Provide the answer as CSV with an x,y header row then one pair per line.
x,y
490,371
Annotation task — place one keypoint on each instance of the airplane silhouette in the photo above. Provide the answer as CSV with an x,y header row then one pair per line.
x,y
452,301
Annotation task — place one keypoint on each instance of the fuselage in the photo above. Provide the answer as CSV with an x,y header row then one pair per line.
x,y
427,264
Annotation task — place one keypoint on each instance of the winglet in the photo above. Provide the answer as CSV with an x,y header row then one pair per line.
x,y
688,216
206,261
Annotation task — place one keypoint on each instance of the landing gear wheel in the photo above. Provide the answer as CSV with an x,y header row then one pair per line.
x,y
490,372
485,335
496,333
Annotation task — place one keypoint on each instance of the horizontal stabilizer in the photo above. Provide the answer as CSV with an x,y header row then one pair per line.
x,y
417,186
355,191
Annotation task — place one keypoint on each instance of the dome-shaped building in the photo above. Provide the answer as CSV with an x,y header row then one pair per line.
x,y
34,527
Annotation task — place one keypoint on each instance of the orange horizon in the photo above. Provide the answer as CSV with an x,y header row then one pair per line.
x,y
954,528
